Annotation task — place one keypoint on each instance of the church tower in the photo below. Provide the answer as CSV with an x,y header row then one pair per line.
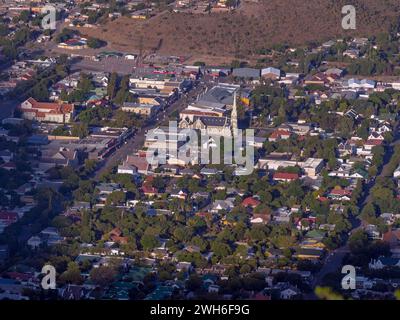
x,y
234,121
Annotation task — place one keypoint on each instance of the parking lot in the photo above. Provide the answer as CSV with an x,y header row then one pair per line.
x,y
108,64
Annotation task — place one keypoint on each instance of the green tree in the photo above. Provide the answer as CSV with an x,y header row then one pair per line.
x,y
95,43
112,85
103,275
85,83
123,92
40,92
72,274
116,198
221,249
358,241
80,130
149,241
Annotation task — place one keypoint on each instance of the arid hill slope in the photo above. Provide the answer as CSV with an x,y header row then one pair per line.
x,y
246,31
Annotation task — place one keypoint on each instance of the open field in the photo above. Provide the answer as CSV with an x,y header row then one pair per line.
x,y
244,33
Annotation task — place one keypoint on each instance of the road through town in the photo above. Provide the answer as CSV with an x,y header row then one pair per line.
x,y
136,141
334,261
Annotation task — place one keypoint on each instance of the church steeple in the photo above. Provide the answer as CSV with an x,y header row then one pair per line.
x,y
234,121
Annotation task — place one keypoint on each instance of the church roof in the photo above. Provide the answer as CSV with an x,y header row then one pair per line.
x,y
214,121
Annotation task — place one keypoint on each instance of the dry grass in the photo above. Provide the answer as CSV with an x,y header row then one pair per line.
x,y
243,33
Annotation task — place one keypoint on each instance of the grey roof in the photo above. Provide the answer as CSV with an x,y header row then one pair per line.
x,y
138,105
247,73
200,194
211,104
213,121
187,171
108,187
6,153
208,171
217,94
81,205
260,139
224,204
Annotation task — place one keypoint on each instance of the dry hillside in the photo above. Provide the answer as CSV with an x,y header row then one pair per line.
x,y
243,33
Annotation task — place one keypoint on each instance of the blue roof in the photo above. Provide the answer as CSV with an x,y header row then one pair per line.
x,y
389,261
38,139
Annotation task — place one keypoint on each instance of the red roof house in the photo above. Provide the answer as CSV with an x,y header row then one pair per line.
x,y
46,111
148,190
279,134
340,194
283,176
250,202
7,217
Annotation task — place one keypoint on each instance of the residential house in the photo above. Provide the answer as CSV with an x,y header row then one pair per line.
x,y
260,218
250,202
396,173
149,191
282,215
346,149
52,157
309,254
7,218
271,73
384,262
4,253
49,236
351,53
104,190
373,232
74,292
257,143
135,164
289,293
219,205
364,283
340,194
178,194
360,84
375,135
279,134
285,177
6,155
388,217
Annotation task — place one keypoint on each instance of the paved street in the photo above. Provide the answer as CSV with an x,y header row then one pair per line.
x,y
136,142
334,261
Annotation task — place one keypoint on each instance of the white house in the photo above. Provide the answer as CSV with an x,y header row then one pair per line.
x,y
361,84
271,73
6,155
289,293
34,242
127,169
364,283
213,288
396,173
